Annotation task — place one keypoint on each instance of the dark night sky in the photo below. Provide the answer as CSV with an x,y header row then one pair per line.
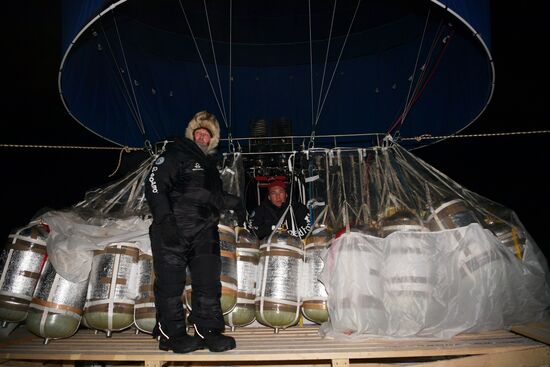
x,y
508,170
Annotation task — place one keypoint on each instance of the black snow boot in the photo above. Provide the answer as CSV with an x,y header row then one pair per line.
x,y
183,343
215,340
171,330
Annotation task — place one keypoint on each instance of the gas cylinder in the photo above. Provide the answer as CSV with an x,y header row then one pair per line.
x,y
144,309
21,263
113,287
277,293
314,302
247,263
57,306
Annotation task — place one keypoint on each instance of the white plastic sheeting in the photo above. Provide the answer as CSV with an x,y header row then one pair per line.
x,y
431,284
73,239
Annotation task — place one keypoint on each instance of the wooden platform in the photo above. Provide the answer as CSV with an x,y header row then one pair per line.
x,y
294,346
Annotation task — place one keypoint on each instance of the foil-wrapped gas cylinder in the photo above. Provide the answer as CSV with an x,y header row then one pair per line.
x,y
228,276
57,306
511,237
277,292
408,283
402,220
314,301
113,288
144,309
247,265
21,263
451,214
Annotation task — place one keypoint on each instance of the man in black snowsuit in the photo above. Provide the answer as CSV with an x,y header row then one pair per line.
x,y
266,216
184,193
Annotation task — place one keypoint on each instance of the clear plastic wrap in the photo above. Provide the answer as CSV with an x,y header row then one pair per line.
x,y
317,176
117,212
437,259
347,185
123,198
337,185
430,284
232,174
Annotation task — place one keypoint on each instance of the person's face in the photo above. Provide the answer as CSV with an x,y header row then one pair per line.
x,y
277,196
202,137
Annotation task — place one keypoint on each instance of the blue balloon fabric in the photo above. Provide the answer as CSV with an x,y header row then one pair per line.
x,y
138,70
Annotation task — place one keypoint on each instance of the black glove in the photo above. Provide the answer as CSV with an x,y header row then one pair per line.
x,y
235,203
169,231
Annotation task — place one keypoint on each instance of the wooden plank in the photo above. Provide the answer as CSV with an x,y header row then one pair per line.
x,y
343,362
268,364
256,345
537,357
37,364
537,331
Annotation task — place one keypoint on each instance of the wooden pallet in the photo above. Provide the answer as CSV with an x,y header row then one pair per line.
x,y
295,346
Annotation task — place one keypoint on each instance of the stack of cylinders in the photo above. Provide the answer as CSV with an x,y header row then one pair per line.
x,y
281,126
56,309
408,275
247,265
144,309
403,221
113,286
451,214
277,293
314,302
228,276
21,262
259,128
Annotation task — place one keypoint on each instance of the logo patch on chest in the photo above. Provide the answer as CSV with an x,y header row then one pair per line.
x,y
197,167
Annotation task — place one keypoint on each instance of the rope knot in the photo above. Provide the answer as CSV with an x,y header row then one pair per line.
x,y
423,136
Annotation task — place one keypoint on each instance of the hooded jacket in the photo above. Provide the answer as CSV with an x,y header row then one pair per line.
x,y
184,181
204,120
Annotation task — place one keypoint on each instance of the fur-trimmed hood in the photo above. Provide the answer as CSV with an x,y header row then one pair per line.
x,y
208,121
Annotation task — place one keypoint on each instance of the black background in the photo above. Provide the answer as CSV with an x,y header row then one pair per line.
x,y
510,170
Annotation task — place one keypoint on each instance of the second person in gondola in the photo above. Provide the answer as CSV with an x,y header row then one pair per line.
x,y
265,218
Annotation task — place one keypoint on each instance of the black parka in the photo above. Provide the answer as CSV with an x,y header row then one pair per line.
x,y
184,193
185,181
266,216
